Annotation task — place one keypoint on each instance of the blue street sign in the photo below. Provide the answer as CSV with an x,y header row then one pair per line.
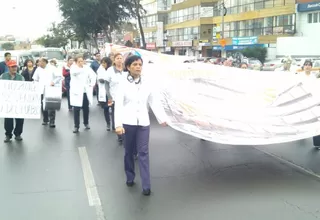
x,y
244,40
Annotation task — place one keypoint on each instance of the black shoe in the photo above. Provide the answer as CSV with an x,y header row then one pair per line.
x,y
18,138
76,130
146,192
45,123
120,138
130,183
52,125
7,139
108,127
87,127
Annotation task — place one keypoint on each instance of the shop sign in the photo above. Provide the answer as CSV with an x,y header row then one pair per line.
x,y
244,40
314,6
151,46
182,43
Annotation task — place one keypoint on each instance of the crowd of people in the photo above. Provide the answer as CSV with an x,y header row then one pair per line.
x,y
122,90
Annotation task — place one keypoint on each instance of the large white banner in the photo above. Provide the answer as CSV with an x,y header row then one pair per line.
x,y
19,99
240,107
234,106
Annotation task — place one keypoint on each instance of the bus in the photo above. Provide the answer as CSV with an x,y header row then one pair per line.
x,y
49,53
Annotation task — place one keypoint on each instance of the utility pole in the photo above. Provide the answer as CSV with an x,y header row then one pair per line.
x,y
223,13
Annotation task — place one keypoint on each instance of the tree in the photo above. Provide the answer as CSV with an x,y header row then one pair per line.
x,y
58,36
7,46
97,16
257,52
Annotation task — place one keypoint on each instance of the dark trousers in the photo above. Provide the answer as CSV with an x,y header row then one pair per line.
x,y
47,115
9,126
137,137
106,109
68,97
85,108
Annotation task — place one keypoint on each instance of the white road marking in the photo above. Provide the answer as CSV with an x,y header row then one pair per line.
x,y
91,187
290,163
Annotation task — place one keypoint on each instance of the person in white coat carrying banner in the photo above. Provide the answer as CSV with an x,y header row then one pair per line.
x,y
83,79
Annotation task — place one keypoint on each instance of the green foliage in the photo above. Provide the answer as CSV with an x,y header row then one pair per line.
x,y
256,52
58,36
90,17
7,46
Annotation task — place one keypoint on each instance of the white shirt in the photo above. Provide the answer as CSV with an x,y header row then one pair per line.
x,y
131,104
115,78
45,76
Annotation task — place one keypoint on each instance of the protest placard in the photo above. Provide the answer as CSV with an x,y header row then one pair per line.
x,y
19,99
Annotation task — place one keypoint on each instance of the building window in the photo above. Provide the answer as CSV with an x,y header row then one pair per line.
x,y
314,17
309,18
183,15
278,25
240,6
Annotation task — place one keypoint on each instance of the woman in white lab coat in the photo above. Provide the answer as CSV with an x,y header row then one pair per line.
x,y
132,120
83,79
102,74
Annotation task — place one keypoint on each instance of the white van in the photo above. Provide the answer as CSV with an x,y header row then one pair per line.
x,y
20,56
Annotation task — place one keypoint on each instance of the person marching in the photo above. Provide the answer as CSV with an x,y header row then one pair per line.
x,y
132,120
115,77
46,75
106,62
67,78
9,122
83,79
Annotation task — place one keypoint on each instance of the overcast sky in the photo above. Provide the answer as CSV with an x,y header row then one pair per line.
x,y
28,18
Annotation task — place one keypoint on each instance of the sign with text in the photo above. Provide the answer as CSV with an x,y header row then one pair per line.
x,y
182,43
244,40
19,99
312,6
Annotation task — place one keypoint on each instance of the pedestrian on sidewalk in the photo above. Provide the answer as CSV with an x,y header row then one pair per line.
x,y
132,120
9,127
83,79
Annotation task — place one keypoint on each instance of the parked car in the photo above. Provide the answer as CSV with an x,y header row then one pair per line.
x,y
254,64
272,64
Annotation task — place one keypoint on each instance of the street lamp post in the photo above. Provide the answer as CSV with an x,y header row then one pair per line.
x,y
223,13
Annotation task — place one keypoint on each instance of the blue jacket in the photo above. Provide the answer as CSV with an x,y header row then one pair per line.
x,y
3,67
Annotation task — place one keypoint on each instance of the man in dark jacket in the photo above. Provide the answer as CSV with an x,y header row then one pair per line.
x,y
3,65
95,66
9,122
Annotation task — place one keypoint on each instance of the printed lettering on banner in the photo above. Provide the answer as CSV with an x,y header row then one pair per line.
x,y
19,99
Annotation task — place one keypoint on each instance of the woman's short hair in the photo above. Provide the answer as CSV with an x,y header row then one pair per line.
x,y
27,61
78,57
130,60
107,60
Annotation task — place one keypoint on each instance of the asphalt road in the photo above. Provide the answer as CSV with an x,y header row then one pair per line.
x,y
57,175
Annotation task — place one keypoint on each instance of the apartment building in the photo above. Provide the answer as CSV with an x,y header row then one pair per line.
x,y
193,27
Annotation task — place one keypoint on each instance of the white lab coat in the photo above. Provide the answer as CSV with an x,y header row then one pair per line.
x,y
132,101
82,81
102,74
45,76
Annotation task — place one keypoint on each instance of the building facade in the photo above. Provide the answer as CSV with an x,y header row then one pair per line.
x,y
193,27
308,18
